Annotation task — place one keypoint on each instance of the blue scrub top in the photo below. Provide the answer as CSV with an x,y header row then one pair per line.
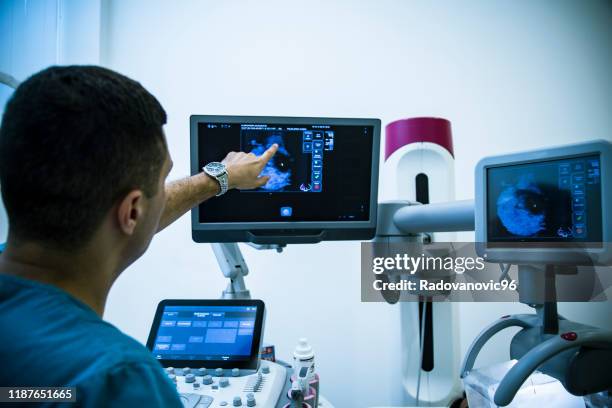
x,y
49,338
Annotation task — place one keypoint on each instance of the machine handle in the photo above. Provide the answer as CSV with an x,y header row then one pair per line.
x,y
517,375
523,321
275,237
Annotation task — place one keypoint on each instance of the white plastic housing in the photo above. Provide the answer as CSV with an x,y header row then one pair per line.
x,y
399,171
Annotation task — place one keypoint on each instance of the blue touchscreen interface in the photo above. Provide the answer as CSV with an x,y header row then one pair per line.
x,y
205,333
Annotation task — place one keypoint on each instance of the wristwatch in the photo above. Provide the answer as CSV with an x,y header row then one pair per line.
x,y
218,171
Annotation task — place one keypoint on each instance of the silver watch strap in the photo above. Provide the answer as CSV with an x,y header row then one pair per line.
x,y
223,183
222,179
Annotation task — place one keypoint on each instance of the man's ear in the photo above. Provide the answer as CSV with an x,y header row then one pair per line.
x,y
129,211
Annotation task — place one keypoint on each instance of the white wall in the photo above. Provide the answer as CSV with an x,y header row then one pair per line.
x,y
510,75
39,33
27,44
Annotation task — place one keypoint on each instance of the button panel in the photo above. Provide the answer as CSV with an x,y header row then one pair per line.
x,y
215,388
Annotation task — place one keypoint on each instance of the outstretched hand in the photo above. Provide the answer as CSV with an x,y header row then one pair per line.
x,y
243,169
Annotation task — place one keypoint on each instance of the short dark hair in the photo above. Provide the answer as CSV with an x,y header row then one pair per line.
x,y
73,140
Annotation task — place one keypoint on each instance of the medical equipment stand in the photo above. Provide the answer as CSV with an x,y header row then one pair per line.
x,y
578,355
232,264
234,268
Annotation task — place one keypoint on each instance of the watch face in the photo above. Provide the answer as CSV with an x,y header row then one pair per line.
x,y
215,168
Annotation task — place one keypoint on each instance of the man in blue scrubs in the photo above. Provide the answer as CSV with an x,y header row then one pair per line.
x,y
83,163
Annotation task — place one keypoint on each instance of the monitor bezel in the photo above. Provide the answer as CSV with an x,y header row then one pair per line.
x,y
575,253
251,364
284,232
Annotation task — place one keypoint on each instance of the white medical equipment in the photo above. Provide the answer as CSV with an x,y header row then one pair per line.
x,y
545,210
419,167
419,177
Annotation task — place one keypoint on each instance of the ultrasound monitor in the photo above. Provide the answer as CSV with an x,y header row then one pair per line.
x,y
207,333
546,206
323,179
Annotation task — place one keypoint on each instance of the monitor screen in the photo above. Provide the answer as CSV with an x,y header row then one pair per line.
x,y
546,201
324,174
213,334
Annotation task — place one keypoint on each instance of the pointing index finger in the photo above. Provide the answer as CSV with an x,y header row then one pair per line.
x,y
268,154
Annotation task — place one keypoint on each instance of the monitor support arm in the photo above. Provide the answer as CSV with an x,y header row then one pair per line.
x,y
439,217
232,264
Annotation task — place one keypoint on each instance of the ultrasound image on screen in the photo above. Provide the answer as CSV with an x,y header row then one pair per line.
x,y
289,169
557,200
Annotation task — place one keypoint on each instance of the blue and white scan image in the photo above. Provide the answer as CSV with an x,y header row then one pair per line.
x,y
288,168
279,167
520,207
530,204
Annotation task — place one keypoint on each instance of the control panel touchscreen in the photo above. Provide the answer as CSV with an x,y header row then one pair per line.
x,y
213,333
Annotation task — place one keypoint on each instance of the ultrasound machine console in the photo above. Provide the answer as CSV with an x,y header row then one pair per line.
x,y
210,350
323,186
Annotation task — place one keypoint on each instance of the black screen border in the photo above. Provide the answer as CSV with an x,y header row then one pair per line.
x,y
288,232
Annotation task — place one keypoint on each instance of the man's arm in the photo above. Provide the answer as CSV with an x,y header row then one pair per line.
x,y
184,194
243,172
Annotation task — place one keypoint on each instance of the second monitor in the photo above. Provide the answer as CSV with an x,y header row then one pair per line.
x,y
322,186
546,206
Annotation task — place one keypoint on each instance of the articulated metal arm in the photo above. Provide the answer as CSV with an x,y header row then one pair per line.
x,y
8,80
232,264
234,268
442,217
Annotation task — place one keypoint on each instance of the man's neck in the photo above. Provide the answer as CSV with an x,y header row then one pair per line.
x,y
85,274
